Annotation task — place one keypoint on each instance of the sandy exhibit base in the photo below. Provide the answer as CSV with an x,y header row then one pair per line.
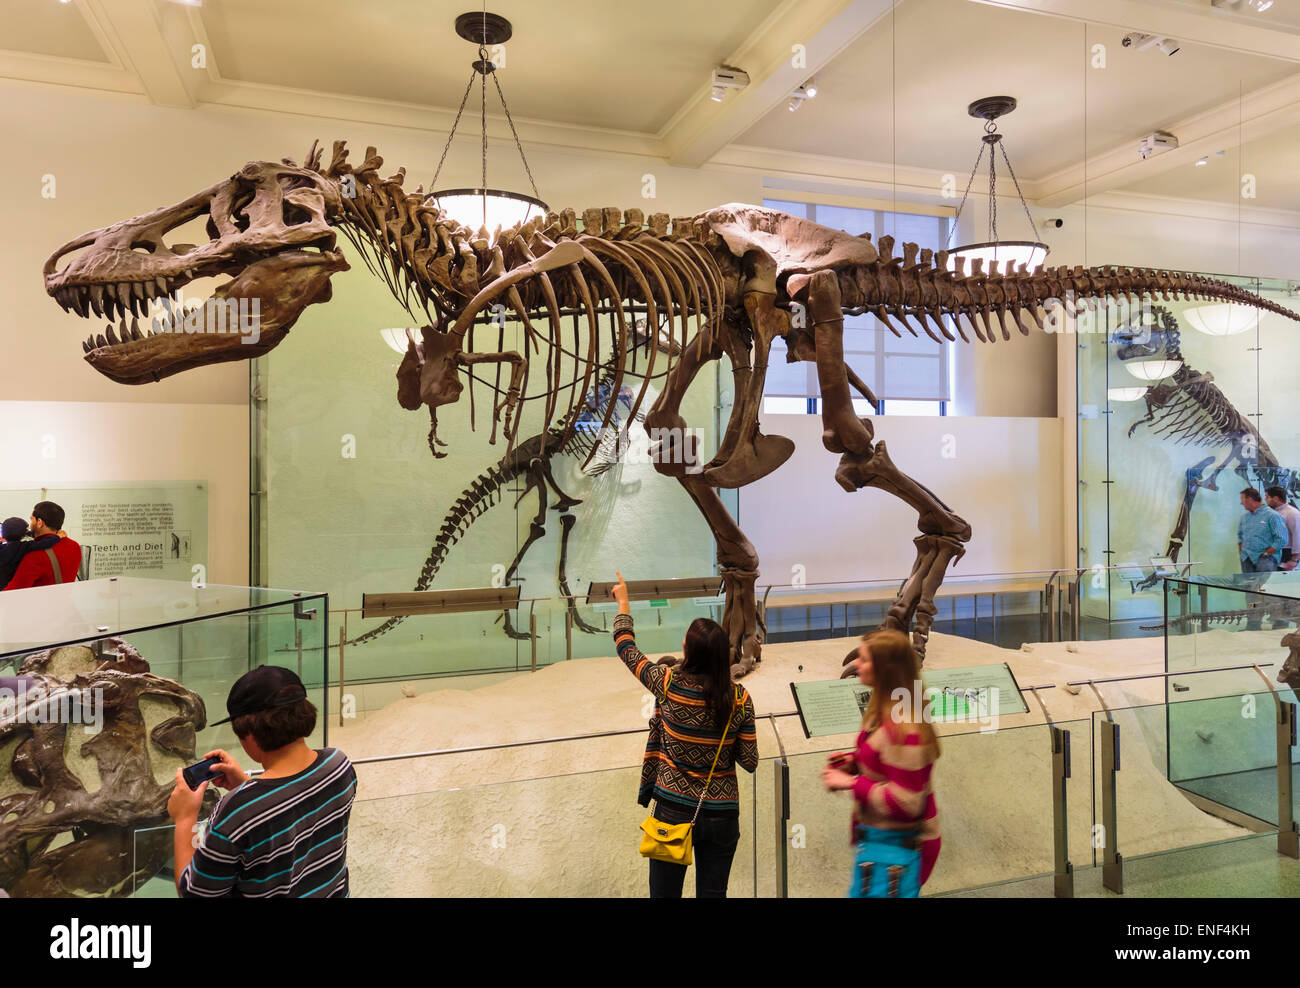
x,y
560,818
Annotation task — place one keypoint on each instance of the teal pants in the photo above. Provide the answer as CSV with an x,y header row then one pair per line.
x,y
886,864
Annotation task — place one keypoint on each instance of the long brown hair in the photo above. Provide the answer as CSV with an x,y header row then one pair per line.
x,y
895,666
707,654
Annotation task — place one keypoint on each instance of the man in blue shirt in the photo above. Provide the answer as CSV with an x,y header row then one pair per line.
x,y
1261,534
1261,537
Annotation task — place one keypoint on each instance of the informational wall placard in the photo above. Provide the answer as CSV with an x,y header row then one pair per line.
x,y
969,694
158,531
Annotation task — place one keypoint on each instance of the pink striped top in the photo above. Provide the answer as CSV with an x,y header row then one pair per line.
x,y
892,791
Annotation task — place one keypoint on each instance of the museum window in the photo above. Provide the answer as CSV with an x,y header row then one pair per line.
x,y
909,375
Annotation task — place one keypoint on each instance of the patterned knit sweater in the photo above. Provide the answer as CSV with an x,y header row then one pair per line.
x,y
684,736
892,791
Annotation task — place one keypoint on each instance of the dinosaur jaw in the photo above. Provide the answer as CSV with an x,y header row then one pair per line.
x,y
244,318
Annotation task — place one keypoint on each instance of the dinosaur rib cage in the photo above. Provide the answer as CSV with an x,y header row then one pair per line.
x,y
1194,412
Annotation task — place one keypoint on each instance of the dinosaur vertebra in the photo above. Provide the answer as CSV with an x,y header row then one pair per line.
x,y
739,270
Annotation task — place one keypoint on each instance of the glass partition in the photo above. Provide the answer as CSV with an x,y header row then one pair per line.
x,y
125,676
564,836
1162,459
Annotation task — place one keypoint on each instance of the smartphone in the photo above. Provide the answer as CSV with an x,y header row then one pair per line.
x,y
200,772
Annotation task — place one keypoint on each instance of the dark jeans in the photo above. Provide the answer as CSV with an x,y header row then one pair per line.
x,y
1265,564
714,842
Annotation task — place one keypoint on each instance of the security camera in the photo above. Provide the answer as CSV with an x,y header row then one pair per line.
x,y
1054,222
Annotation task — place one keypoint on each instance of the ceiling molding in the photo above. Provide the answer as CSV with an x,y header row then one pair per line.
x,y
876,177
1197,25
136,37
432,120
1200,209
53,70
1255,115
703,128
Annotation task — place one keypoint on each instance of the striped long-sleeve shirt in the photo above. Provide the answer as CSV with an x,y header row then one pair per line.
x,y
685,734
892,791
279,837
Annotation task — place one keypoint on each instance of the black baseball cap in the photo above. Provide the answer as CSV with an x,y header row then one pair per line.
x,y
259,689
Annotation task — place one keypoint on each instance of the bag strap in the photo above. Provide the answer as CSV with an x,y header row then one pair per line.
x,y
716,755
54,564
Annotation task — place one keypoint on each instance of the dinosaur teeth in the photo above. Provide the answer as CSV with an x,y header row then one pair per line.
x,y
135,329
86,347
100,338
97,299
123,295
112,340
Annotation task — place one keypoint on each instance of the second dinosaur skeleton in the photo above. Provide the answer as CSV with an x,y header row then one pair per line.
x,y
1188,408
742,274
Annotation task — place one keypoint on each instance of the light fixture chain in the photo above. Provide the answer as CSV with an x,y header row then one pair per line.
x,y
518,144
456,123
952,229
1032,224
482,116
993,196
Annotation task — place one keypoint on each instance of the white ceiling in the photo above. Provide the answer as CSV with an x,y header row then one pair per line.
x,y
632,77
591,62
901,91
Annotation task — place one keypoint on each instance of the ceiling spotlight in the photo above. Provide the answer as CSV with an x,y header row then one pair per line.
x,y
1142,42
810,88
794,104
726,77
1202,161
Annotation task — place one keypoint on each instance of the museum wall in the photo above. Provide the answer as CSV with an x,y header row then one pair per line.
x,y
94,443
1002,475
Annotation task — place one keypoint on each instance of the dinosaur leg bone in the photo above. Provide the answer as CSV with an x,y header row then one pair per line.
x,y
739,564
745,454
942,540
562,577
676,451
841,428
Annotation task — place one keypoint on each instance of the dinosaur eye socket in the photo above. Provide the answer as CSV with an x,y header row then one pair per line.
x,y
295,215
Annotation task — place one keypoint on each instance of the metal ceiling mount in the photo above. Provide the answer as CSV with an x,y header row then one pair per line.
x,y
481,28
992,107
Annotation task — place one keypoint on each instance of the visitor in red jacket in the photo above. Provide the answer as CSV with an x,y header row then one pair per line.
x,y
36,569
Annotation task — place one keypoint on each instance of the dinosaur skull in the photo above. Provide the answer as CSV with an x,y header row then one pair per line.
x,y
268,229
75,790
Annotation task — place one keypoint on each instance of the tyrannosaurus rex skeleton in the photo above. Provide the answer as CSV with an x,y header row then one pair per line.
x,y
746,274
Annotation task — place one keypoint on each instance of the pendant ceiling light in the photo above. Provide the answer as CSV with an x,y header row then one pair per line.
x,y
1028,253
1125,394
484,207
1222,318
1152,370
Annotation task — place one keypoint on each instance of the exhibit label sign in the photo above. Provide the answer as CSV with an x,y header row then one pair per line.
x,y
152,531
970,694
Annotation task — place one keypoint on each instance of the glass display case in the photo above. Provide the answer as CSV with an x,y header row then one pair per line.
x,y
1182,405
106,688
1235,639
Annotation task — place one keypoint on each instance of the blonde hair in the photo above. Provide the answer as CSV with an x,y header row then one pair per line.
x,y
895,667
